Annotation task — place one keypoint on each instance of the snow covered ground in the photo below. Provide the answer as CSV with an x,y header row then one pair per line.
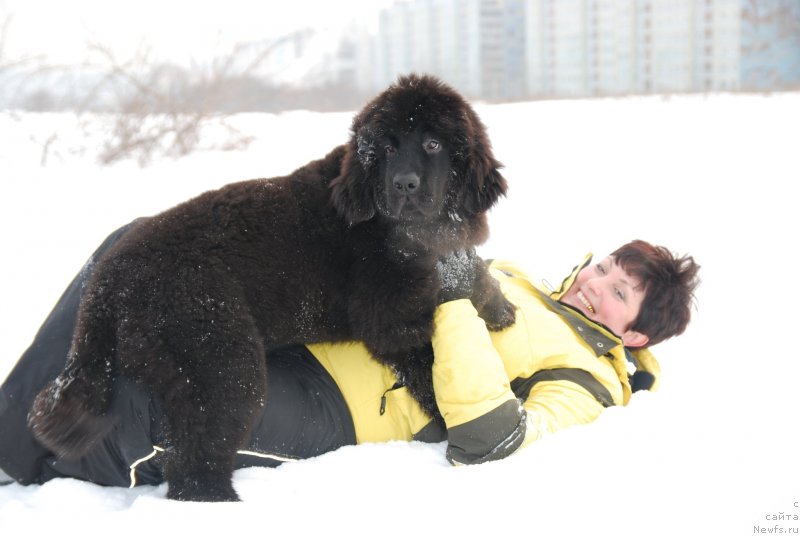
x,y
714,452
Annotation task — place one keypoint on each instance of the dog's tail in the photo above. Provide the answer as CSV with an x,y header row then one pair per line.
x,y
71,413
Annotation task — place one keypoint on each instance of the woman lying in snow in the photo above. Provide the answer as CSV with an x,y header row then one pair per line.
x,y
572,352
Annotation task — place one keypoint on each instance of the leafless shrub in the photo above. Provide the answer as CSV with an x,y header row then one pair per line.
x,y
144,110
14,71
163,110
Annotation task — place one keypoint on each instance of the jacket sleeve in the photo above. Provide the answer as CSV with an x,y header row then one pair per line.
x,y
484,419
555,404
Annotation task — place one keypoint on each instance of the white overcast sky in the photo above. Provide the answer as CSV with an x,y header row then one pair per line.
x,y
179,29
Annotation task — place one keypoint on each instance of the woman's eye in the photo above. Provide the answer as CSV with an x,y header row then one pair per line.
x,y
432,146
601,269
390,149
620,294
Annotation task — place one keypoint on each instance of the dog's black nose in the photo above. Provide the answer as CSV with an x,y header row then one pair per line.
x,y
407,183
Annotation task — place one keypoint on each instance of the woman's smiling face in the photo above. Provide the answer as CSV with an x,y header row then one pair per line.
x,y
605,293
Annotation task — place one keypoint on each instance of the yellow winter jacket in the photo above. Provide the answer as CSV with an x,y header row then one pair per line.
x,y
497,391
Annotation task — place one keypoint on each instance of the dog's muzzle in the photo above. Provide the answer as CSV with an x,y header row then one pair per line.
x,y
406,183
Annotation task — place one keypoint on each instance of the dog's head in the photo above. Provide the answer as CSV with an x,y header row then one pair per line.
x,y
417,152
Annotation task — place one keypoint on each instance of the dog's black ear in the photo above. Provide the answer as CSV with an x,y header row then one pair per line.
x,y
483,183
352,193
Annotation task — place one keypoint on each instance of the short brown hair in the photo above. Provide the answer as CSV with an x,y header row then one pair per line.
x,y
669,283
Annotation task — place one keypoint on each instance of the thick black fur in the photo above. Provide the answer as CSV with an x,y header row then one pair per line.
x,y
188,301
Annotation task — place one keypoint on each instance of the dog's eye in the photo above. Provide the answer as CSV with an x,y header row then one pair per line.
x,y
432,146
390,149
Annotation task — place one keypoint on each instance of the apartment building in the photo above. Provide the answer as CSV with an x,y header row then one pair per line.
x,y
510,49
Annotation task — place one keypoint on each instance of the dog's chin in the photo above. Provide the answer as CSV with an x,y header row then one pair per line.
x,y
408,210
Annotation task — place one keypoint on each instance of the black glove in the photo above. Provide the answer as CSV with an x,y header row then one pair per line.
x,y
457,273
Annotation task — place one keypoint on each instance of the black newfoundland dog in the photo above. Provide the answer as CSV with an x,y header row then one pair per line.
x,y
188,301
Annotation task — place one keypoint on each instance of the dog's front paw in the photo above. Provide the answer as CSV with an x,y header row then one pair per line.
x,y
498,313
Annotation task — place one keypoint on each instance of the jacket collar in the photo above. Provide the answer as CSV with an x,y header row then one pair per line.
x,y
570,279
599,339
